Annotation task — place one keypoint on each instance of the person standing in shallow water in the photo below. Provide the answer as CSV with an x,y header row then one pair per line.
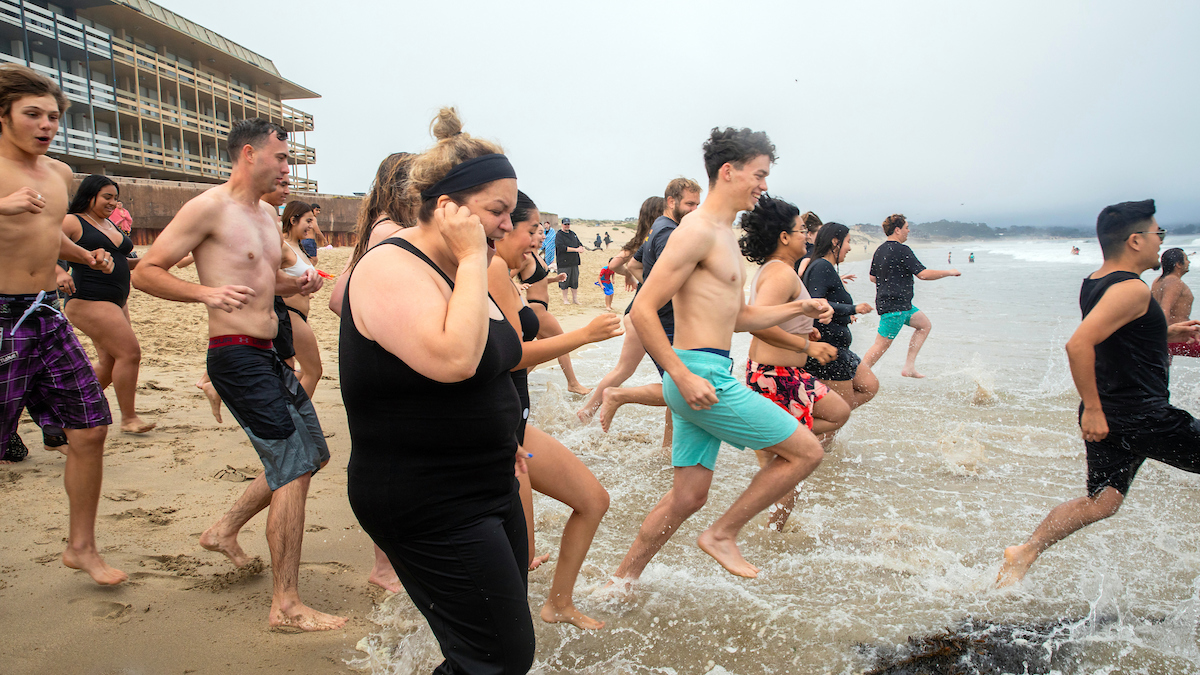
x,y
1174,296
1120,364
893,268
425,358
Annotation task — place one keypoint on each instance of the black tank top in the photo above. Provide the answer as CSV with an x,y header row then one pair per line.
x,y
427,456
539,271
91,284
529,330
1132,365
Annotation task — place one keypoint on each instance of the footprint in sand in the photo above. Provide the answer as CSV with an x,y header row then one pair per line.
x,y
124,495
331,567
182,565
155,516
219,582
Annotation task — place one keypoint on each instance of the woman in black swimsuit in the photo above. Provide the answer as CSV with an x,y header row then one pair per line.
x,y
553,469
535,277
98,307
433,412
847,374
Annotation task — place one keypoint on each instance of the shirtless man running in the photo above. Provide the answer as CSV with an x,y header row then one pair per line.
x,y
1174,296
42,364
237,248
701,271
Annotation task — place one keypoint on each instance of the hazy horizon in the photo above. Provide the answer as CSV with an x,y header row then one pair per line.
x,y
1009,114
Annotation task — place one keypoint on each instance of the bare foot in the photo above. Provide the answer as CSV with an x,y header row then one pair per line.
x,y
577,388
385,579
214,399
302,618
136,425
64,449
212,541
911,373
90,561
725,551
538,560
610,401
589,408
617,587
569,615
1017,560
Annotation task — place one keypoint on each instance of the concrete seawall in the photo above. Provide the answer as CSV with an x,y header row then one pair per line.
x,y
153,203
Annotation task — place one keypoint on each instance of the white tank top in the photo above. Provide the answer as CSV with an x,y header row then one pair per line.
x,y
801,325
302,264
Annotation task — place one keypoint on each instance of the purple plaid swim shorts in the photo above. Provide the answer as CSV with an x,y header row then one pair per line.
x,y
44,368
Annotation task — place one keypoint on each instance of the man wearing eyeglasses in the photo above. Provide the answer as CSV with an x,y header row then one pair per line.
x,y
1119,362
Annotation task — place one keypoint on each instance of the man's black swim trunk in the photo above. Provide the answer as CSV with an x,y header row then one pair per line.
x,y
1169,435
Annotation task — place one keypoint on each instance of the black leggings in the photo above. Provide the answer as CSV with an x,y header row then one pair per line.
x,y
471,585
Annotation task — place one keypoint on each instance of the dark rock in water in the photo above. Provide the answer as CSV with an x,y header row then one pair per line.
x,y
982,648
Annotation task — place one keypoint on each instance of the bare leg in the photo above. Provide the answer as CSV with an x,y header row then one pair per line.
x,y
383,574
285,534
921,327
574,296
559,474
526,494
795,458
858,391
830,414
668,433
120,356
565,301
308,354
876,351
687,495
210,392
222,536
615,397
82,478
631,356
1062,520
549,328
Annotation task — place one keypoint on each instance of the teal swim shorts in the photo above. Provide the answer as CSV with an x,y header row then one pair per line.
x,y
891,323
741,417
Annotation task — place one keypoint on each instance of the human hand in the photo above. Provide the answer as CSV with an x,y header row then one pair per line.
x,y
560,278
630,283
848,277
1184,331
64,281
817,308
310,282
697,391
522,466
228,298
862,308
1093,424
523,287
101,261
814,335
461,230
954,273
823,352
603,327
25,200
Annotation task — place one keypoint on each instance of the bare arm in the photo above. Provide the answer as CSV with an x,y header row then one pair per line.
x,y
398,304
933,275
754,317
183,234
1121,304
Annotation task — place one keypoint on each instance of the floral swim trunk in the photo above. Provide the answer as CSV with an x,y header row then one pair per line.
x,y
791,388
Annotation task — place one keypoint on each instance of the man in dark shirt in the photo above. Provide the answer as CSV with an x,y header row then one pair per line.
x,y
1119,361
892,270
567,248
683,196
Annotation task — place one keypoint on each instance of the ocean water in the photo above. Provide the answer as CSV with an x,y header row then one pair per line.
x,y
899,532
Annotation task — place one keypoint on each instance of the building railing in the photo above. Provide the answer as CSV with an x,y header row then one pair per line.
x,y
10,12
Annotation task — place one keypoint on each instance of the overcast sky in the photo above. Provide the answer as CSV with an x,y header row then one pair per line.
x,y
1003,112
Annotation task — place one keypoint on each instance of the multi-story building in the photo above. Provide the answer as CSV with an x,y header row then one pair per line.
x,y
152,93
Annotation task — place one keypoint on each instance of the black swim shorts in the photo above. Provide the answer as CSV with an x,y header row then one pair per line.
x,y
1169,435
283,339
268,402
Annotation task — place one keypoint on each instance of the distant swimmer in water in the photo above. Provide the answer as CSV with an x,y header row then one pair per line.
x,y
1074,250
701,272
1119,361
892,270
972,258
1175,297
948,256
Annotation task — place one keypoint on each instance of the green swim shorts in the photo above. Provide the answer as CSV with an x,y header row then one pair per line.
x,y
741,417
891,323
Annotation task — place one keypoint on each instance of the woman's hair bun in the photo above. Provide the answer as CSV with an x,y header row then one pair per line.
x,y
446,124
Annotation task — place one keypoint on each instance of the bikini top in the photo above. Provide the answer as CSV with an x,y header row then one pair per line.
x,y
301,266
801,325
540,271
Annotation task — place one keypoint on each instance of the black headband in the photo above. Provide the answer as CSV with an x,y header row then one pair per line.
x,y
471,173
